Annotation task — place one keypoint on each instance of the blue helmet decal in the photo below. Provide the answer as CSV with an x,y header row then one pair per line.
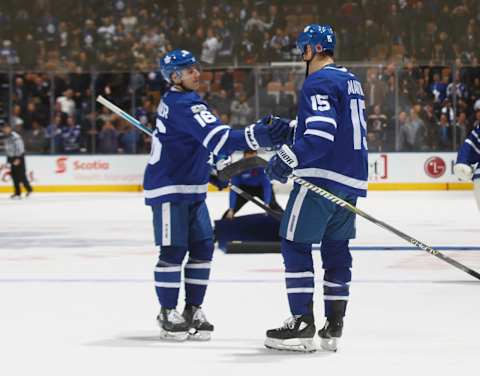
x,y
320,37
175,61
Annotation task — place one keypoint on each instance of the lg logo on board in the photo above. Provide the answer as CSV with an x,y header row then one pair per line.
x,y
435,167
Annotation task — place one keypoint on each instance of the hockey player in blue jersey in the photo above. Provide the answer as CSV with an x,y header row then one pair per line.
x,y
467,167
175,186
329,149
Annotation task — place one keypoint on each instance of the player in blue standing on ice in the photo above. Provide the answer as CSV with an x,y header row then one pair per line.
x,y
329,149
468,161
175,186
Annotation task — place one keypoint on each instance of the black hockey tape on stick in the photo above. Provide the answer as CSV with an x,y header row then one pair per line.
x,y
247,196
417,243
240,166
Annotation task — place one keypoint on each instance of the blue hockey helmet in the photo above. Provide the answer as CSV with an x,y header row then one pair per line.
x,y
320,37
175,61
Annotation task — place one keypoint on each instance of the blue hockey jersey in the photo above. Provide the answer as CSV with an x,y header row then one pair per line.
x,y
185,136
469,152
330,135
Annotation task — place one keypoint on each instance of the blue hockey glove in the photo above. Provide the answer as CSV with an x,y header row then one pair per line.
x,y
268,132
282,164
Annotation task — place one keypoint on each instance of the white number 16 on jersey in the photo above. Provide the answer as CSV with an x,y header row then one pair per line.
x,y
357,106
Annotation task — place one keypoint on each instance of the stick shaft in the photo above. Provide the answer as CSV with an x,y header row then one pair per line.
x,y
117,110
337,200
249,197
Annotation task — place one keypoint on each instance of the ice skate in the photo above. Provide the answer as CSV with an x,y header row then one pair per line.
x,y
296,334
199,327
330,334
173,326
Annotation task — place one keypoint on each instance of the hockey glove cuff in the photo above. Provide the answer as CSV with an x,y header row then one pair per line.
x,y
268,132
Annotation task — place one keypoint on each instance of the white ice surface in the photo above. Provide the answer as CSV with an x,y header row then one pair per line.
x,y
77,296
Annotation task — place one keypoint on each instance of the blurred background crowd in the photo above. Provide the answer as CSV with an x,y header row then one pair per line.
x,y
418,61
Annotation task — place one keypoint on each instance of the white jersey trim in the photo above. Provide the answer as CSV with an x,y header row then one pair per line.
x,y
338,69
322,134
297,205
166,226
323,119
331,175
470,142
474,133
221,143
176,189
212,133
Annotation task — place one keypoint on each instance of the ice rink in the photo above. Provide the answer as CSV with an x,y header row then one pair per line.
x,y
77,294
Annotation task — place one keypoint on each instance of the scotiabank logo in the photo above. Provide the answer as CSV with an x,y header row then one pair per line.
x,y
79,165
435,167
61,165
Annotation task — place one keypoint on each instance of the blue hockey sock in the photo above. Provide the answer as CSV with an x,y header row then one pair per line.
x,y
299,276
337,262
197,271
168,275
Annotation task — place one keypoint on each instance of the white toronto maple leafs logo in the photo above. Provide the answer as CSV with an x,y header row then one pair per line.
x,y
167,59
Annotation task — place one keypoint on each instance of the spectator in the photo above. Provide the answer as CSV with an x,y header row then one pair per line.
x,y
53,134
128,139
35,139
67,104
444,140
432,131
377,126
108,139
210,47
412,133
240,110
71,137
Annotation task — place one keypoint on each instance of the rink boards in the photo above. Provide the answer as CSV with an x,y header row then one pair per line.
x,y
124,173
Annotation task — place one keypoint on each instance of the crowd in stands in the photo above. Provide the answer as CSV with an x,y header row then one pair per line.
x,y
125,34
421,71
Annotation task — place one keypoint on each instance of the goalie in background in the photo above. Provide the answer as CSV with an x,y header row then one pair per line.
x,y
256,183
468,162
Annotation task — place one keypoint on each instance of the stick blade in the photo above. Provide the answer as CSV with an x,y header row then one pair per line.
x,y
240,166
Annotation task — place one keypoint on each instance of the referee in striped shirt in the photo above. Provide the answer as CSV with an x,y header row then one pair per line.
x,y
15,151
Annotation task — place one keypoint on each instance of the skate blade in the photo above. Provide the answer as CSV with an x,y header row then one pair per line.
x,y
329,344
306,345
173,336
199,335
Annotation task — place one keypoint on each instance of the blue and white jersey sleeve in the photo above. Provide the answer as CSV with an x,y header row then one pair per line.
x,y
469,152
318,111
205,127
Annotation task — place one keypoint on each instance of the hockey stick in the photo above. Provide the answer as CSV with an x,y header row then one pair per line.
x,y
247,196
337,200
237,167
